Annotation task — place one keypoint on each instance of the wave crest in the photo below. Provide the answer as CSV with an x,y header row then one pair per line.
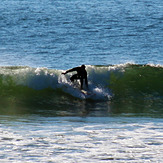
x,y
113,80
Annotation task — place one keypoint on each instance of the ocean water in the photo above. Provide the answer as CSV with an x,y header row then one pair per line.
x,y
44,118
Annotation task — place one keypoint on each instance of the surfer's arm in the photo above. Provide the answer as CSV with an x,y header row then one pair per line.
x,y
70,70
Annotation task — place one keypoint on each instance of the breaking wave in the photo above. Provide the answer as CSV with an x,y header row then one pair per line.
x,y
115,83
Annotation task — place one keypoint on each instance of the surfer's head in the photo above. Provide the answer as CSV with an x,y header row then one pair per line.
x,y
83,66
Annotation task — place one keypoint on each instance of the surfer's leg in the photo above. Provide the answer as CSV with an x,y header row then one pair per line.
x,y
73,77
81,82
86,82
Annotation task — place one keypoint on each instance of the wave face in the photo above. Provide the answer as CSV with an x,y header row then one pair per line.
x,y
119,86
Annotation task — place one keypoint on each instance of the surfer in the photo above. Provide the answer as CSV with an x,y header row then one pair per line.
x,y
81,74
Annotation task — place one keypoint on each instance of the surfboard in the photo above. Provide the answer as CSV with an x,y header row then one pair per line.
x,y
87,93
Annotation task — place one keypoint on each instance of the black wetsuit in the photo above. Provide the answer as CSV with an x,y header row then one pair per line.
x,y
81,74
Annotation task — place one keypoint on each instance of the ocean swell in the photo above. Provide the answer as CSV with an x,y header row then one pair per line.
x,y
120,84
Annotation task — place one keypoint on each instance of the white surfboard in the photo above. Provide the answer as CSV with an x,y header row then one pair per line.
x,y
87,93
